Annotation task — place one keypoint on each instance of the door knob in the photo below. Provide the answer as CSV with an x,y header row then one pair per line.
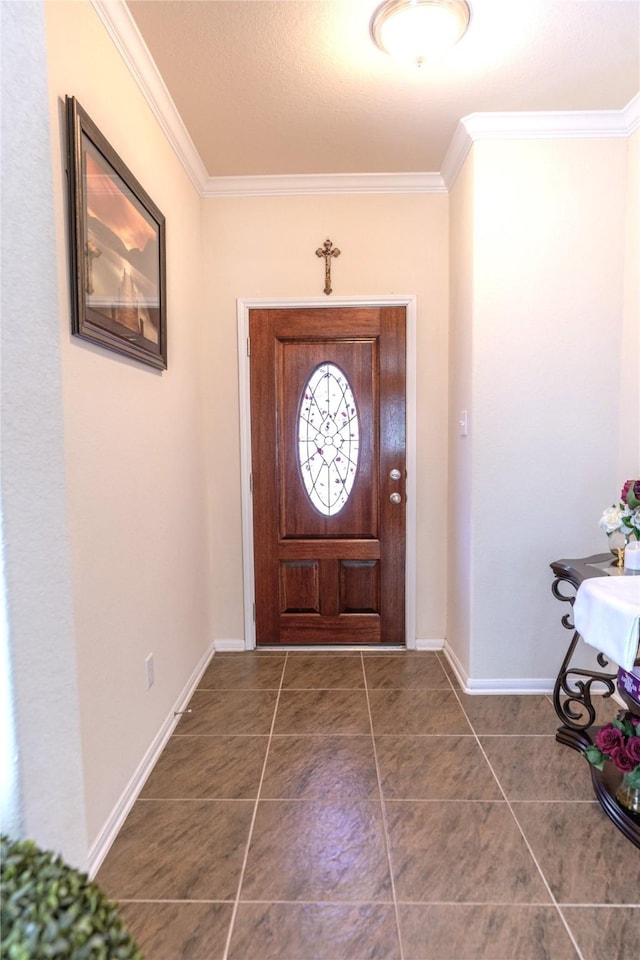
x,y
395,498
395,474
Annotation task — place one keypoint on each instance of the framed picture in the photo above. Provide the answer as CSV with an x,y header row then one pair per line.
x,y
117,247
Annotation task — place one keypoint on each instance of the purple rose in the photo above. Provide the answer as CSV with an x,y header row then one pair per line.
x,y
633,748
621,759
608,738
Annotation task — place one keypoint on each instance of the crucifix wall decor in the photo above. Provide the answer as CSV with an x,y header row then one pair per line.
x,y
326,252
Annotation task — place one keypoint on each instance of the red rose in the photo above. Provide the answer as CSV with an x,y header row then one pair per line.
x,y
608,738
630,484
633,748
621,759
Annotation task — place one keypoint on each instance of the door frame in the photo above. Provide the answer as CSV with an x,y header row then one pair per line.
x,y
244,305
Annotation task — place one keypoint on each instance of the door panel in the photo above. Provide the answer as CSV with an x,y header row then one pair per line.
x,y
359,361
324,576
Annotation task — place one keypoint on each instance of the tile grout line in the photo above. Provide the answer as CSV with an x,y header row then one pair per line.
x,y
385,828
555,903
407,900
236,904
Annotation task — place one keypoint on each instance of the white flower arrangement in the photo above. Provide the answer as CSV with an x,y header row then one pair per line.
x,y
624,517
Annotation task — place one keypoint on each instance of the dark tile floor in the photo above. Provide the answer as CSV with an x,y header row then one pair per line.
x,y
348,806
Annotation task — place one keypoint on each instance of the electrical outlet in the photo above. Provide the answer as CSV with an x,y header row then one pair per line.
x,y
148,664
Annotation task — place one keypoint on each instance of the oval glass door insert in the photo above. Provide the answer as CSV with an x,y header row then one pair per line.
x,y
328,439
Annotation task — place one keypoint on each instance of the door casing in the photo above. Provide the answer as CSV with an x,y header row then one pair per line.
x,y
244,305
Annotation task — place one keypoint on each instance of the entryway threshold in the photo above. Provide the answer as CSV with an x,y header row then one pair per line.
x,y
332,648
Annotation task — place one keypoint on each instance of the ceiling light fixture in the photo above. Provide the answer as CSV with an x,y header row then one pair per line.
x,y
417,30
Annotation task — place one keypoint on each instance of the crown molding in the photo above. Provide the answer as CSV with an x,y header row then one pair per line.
x,y
542,125
547,125
454,158
561,125
122,29
315,184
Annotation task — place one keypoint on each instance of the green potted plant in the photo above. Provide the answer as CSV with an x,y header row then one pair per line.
x,y
50,909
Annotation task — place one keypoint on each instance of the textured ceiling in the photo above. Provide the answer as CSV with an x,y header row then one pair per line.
x,y
298,87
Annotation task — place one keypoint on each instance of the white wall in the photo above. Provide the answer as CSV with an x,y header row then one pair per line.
x,y
548,240
629,465
266,248
41,773
460,477
133,444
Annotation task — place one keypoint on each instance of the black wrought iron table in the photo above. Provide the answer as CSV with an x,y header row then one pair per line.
x,y
574,688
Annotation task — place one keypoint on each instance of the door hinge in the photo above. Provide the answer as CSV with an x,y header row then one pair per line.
x,y
254,613
248,346
251,483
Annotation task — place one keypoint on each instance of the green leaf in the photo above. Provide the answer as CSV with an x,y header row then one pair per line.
x,y
633,778
595,757
632,500
625,727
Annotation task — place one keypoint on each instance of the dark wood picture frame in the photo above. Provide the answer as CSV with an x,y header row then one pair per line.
x,y
117,249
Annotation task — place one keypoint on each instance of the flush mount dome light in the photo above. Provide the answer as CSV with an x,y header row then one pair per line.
x,y
419,29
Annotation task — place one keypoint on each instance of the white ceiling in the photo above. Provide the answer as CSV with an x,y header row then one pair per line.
x,y
285,87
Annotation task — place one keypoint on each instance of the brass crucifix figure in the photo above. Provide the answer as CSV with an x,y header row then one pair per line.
x,y
326,252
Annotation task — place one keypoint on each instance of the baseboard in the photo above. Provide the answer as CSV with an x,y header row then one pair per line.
x,y
455,665
429,645
107,835
542,686
229,646
515,687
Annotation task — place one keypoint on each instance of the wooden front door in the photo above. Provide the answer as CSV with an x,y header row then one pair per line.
x,y
328,472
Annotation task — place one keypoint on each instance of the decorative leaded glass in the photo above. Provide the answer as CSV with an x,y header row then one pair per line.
x,y
328,439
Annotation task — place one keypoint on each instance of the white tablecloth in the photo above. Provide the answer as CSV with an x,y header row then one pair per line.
x,y
606,614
